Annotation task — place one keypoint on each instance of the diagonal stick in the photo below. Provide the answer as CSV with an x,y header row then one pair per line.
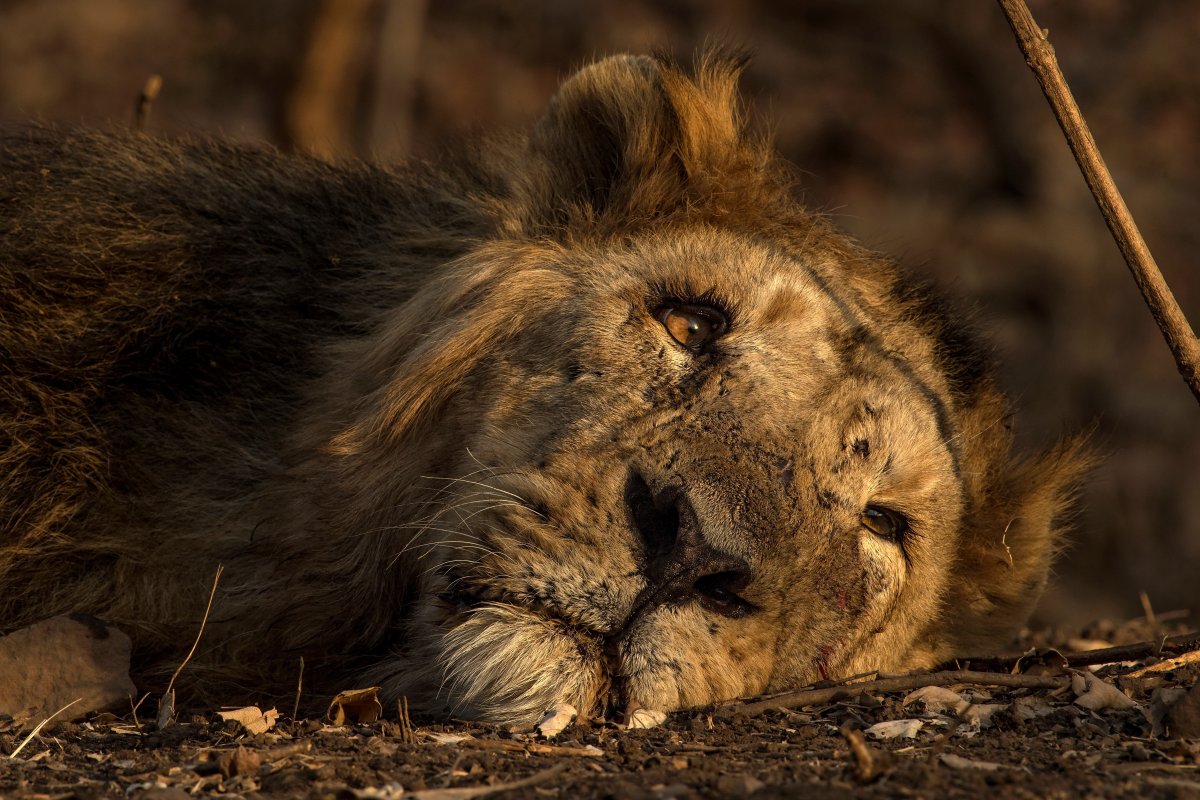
x,y
38,728
1039,55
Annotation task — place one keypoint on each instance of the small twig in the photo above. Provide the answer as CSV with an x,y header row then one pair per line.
x,y
1148,610
407,734
1039,55
865,767
901,683
133,707
299,686
588,751
1169,646
825,684
141,109
203,621
166,713
471,792
1168,664
38,728
503,745
285,751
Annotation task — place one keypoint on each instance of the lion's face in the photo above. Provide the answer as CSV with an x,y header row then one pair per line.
x,y
701,456
699,475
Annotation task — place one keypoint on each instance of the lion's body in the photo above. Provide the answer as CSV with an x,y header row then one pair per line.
x,y
432,423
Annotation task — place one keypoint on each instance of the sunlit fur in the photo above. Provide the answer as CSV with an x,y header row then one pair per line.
x,y
403,409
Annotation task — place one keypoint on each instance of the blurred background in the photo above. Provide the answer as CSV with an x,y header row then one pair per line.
x,y
916,123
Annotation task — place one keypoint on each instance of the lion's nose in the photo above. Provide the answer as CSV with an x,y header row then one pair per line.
x,y
680,562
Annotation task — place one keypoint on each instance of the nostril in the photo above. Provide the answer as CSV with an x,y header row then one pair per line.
x,y
718,592
681,565
655,517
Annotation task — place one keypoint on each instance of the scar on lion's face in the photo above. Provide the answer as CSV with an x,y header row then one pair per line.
x,y
607,418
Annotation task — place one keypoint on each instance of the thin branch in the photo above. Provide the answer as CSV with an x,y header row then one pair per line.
x,y
974,671
472,792
1168,647
166,706
1039,55
203,621
133,707
299,687
899,683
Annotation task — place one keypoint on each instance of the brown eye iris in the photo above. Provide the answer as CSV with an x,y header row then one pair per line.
x,y
884,523
692,326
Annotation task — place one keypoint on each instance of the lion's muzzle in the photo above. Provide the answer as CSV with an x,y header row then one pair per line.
x,y
680,564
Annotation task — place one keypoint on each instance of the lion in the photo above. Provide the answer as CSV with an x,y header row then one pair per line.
x,y
602,415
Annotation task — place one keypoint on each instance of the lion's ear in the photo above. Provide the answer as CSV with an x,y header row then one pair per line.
x,y
1006,554
632,137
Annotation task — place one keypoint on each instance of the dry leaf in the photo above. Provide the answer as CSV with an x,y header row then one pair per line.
x,y
76,657
1096,694
937,700
642,718
356,706
166,710
239,762
1183,718
980,714
1161,702
556,720
958,762
251,718
895,729
1031,707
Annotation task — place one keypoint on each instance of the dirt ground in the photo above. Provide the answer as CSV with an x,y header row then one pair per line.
x,y
1022,742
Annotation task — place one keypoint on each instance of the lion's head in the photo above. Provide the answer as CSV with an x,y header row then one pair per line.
x,y
665,437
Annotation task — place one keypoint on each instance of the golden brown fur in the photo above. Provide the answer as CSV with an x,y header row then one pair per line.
x,y
432,423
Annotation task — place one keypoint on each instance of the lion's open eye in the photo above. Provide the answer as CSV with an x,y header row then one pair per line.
x,y
692,326
885,523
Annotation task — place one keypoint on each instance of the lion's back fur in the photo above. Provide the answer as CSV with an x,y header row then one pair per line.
x,y
164,305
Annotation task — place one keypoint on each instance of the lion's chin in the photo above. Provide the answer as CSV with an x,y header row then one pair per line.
x,y
507,664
